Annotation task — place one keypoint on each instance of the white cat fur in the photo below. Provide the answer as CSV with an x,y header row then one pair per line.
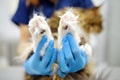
x,y
70,20
36,25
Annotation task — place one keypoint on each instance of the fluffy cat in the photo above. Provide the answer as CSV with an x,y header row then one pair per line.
x,y
91,21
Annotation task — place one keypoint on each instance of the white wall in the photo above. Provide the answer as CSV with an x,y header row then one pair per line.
x,y
9,33
7,29
113,36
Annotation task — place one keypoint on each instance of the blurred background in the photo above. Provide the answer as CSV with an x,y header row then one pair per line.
x,y
107,51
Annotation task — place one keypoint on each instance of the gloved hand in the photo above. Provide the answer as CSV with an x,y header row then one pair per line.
x,y
37,65
71,57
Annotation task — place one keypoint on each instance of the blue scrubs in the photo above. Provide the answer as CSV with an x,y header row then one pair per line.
x,y
24,13
74,3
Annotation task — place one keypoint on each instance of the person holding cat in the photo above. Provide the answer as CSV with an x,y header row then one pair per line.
x,y
26,9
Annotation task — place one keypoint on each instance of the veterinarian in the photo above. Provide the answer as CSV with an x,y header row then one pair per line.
x,y
35,65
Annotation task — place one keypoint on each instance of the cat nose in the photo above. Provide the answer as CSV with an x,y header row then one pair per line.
x,y
42,31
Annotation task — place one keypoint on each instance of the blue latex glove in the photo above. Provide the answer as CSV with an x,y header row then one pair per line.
x,y
37,65
71,57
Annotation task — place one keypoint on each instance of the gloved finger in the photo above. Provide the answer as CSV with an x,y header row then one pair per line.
x,y
81,61
61,74
54,58
68,54
48,54
77,52
73,45
33,60
40,45
29,69
80,55
50,66
85,57
34,64
62,62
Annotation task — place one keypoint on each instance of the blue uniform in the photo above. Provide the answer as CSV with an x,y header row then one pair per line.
x,y
24,13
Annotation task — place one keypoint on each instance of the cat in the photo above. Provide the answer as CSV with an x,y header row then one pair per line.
x,y
88,19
